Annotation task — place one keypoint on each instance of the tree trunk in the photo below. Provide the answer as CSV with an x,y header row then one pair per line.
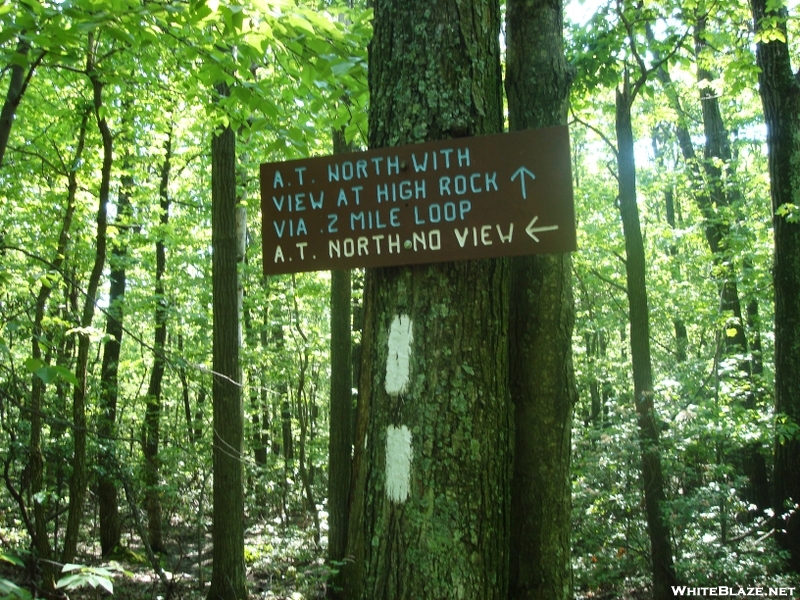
x,y
187,406
652,476
110,528
712,197
152,416
540,331
720,197
681,335
228,581
341,407
17,84
77,484
717,196
41,508
780,95
429,514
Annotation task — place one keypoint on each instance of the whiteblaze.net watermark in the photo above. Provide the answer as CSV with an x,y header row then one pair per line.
x,y
736,591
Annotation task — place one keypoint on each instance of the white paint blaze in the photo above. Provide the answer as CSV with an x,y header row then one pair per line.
x,y
399,357
398,462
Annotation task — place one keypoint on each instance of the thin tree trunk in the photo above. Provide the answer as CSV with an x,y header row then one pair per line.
x,y
652,475
17,84
78,480
110,528
714,174
540,331
187,407
780,95
681,336
41,508
711,197
718,169
341,403
152,417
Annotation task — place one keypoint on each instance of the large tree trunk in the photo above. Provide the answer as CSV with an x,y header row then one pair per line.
x,y
228,582
429,512
780,95
652,476
540,331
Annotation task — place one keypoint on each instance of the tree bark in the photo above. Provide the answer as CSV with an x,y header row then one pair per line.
x,y
780,95
429,513
228,582
652,476
540,331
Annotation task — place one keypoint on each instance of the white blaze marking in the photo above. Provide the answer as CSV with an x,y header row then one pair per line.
x,y
398,462
397,361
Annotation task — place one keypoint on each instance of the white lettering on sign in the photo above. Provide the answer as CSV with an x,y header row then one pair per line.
x,y
349,247
482,235
439,159
292,229
399,454
399,355
474,183
436,213
401,191
374,219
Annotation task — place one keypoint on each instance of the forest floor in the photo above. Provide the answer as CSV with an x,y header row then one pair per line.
x,y
283,563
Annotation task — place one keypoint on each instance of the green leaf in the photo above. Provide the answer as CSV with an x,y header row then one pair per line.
x,y
71,581
10,590
12,558
69,567
46,374
65,374
33,364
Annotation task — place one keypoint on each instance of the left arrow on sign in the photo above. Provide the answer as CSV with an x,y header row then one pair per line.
x,y
531,230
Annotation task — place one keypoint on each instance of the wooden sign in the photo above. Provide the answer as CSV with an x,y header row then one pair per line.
x,y
489,196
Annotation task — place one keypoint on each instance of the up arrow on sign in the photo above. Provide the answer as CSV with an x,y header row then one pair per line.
x,y
521,172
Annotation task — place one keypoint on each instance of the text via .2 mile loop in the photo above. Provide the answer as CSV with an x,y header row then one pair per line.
x,y
480,197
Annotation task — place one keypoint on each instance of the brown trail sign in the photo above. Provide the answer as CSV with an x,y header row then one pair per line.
x,y
508,194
